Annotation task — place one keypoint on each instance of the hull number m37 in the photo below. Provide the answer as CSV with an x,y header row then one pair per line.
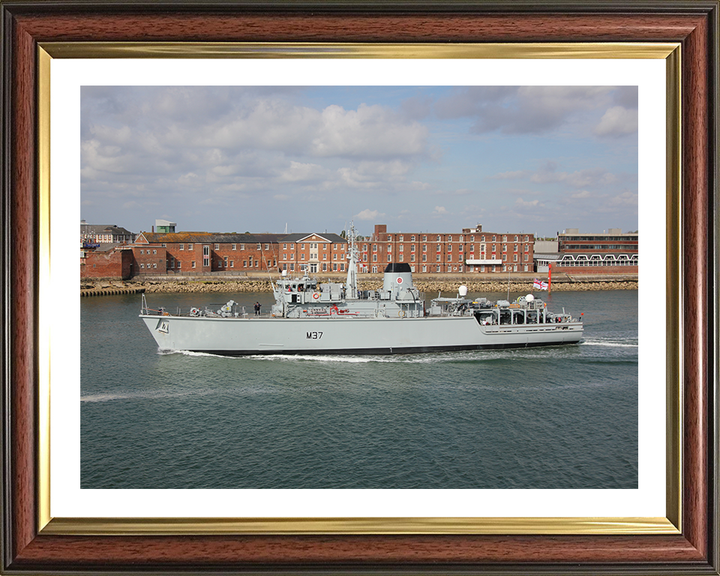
x,y
313,335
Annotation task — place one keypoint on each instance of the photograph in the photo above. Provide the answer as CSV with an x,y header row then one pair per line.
x,y
388,287
359,287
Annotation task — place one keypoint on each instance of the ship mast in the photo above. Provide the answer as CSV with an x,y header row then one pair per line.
x,y
352,265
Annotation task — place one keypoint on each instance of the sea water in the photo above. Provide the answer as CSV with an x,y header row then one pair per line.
x,y
549,417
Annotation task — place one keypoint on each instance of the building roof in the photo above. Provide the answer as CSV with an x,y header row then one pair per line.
x,y
197,237
303,237
247,238
104,228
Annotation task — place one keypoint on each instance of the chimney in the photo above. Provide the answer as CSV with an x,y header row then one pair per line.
x,y
153,229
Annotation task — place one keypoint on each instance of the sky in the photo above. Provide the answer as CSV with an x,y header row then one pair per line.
x,y
528,159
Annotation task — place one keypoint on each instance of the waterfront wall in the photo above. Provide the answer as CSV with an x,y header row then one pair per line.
x,y
430,286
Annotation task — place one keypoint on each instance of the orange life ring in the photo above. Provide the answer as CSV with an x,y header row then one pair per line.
x,y
316,295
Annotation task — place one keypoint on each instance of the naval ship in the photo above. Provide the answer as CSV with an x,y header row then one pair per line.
x,y
336,318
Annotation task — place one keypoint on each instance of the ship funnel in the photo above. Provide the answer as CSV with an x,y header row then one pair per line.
x,y
397,276
462,291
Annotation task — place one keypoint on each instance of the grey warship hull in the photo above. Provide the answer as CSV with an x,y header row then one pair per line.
x,y
248,336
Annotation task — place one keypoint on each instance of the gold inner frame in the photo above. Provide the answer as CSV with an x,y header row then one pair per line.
x,y
671,524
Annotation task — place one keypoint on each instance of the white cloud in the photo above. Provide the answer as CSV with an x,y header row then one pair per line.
x,y
525,109
520,203
440,210
368,214
618,121
299,171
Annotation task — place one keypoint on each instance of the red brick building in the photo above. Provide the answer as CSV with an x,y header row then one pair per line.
x,y
472,250
607,253
203,252
318,252
115,264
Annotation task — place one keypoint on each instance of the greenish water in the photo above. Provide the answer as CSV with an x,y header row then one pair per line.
x,y
557,417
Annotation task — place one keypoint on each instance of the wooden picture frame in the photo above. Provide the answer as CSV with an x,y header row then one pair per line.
x,y
29,24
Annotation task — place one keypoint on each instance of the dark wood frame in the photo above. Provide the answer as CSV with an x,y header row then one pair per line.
x,y
692,23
